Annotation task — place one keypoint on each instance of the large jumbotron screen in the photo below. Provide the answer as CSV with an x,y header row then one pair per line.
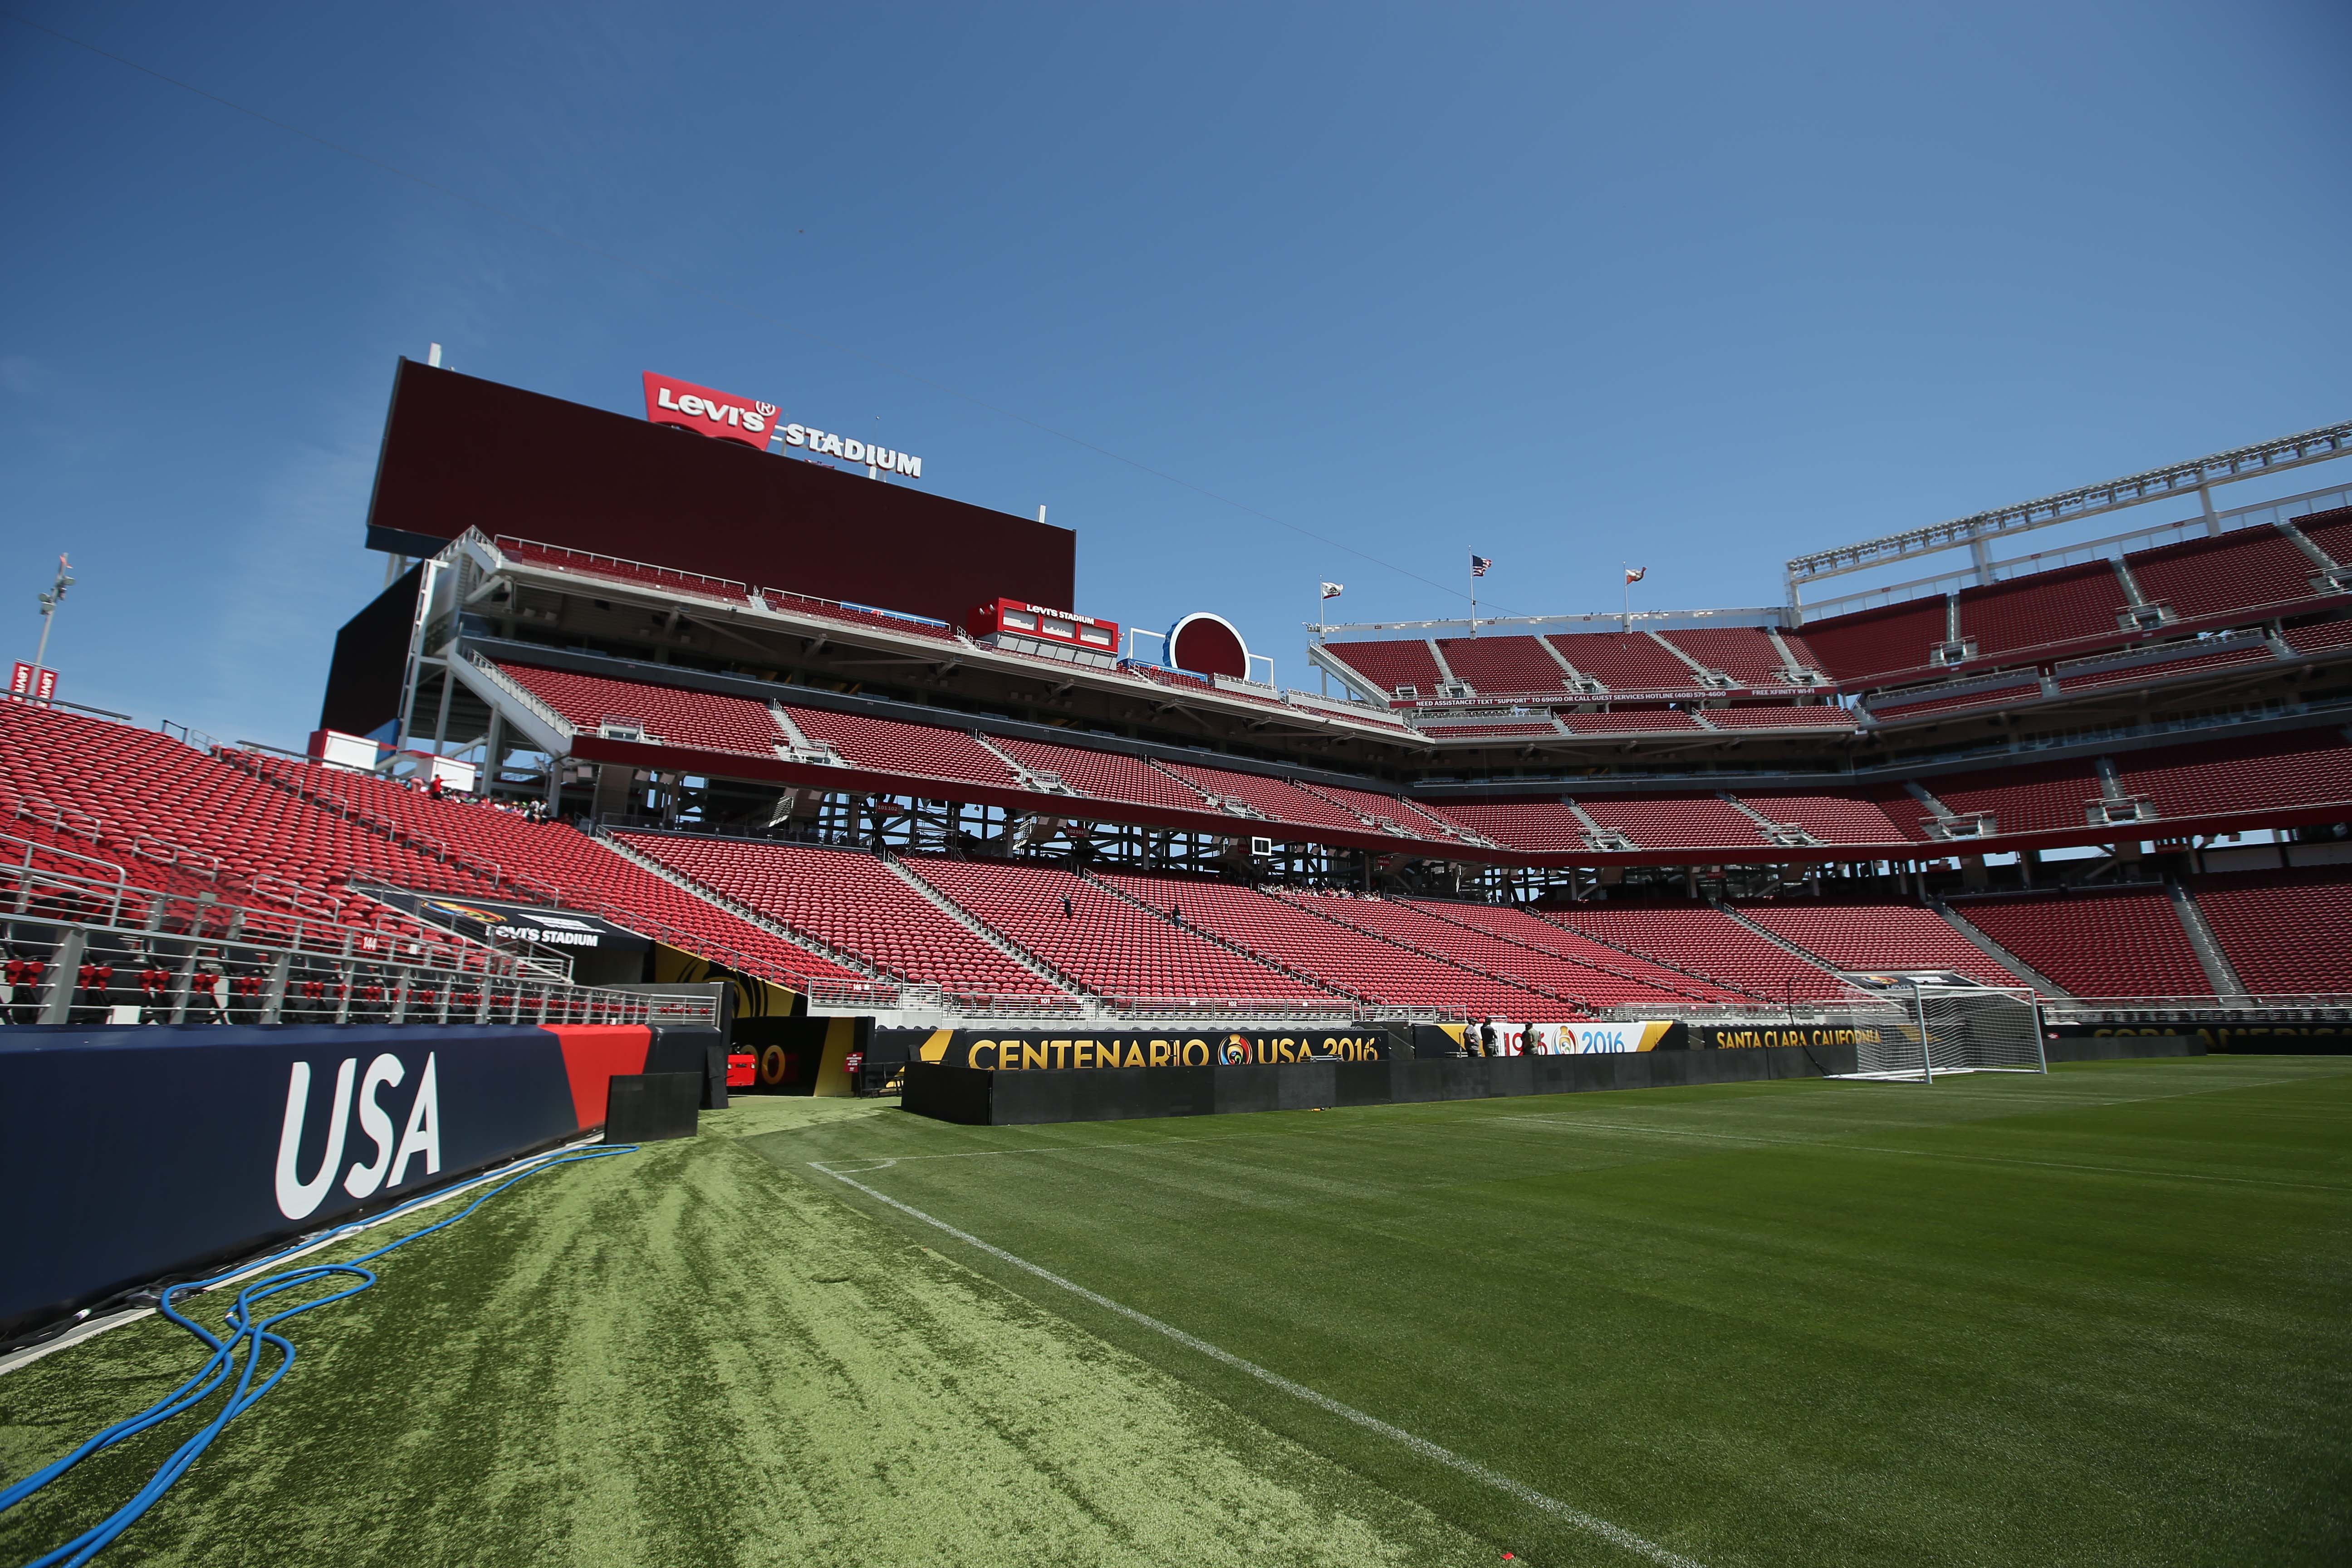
x,y
460,452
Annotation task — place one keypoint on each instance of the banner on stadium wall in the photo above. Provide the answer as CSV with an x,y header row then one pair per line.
x,y
133,1154
1056,1050
492,919
1735,1036
1533,1039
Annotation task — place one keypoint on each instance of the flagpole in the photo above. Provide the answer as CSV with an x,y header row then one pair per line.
x,y
1627,624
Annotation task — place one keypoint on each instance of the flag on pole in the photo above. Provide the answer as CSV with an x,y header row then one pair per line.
x,y
1635,573
1478,564
1333,590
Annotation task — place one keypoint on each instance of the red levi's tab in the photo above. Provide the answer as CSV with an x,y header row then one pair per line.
x,y
670,401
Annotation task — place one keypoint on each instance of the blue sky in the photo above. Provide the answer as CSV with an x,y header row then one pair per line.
x,y
1694,287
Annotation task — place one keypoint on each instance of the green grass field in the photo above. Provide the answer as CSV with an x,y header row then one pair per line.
x,y
2100,1317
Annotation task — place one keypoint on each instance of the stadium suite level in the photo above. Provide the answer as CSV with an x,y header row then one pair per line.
x,y
846,777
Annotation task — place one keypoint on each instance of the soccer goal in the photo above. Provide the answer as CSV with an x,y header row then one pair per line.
x,y
1955,1028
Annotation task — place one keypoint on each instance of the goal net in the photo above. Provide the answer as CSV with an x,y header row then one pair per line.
x,y
1955,1028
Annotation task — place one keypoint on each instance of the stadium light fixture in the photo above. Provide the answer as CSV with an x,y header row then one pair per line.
x,y
50,599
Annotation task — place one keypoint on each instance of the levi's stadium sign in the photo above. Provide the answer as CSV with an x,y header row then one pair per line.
x,y
727,417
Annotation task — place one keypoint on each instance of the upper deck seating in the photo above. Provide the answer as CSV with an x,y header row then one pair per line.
x,y
1387,666
1779,716
1895,707
1504,666
1677,822
1384,810
588,564
2331,530
2249,570
1626,661
2301,767
1528,929
1867,938
2286,933
1537,969
917,751
703,719
1104,776
2187,662
1744,653
1702,938
1344,957
1832,819
1537,827
2036,798
1859,647
1501,731
2044,609
852,902
1630,721
1278,799
1105,943
2320,637
2123,944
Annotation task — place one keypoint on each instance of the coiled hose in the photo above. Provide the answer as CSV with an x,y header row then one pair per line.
x,y
239,1356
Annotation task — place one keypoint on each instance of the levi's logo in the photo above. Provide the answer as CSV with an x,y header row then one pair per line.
x,y
670,401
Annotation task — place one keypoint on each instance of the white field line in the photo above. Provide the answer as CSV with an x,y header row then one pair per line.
x,y
98,1326
1592,1524
1639,1130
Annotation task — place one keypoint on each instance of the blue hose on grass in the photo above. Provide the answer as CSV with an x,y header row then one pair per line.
x,y
248,1332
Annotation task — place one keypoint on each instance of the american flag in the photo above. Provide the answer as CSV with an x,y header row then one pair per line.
x,y
1478,564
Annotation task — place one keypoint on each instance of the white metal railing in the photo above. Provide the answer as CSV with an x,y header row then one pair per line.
x,y
85,951
621,569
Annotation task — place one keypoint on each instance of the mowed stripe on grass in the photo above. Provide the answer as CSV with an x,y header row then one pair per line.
x,y
688,1356
2095,1317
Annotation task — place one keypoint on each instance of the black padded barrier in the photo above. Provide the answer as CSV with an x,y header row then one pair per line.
x,y
979,1097
647,1107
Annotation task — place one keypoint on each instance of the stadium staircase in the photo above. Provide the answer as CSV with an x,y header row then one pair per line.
x,y
1518,928
2208,948
1708,940
1067,984
621,845
1996,951
1393,922
1176,901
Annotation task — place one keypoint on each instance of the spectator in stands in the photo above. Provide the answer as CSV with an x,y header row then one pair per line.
x,y
1067,912
435,789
